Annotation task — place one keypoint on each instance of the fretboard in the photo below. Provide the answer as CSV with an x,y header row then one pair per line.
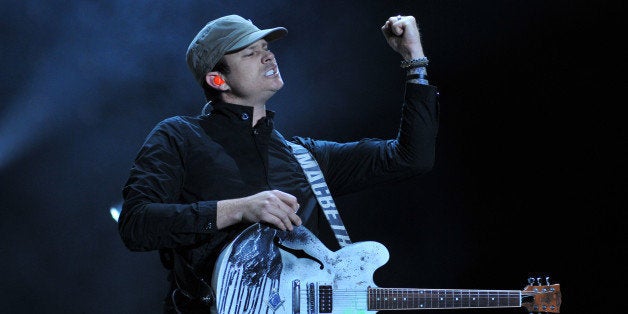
x,y
410,298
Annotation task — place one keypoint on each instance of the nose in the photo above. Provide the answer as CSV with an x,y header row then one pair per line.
x,y
268,57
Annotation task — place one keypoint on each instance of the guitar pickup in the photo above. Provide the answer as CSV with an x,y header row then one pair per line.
x,y
319,298
325,299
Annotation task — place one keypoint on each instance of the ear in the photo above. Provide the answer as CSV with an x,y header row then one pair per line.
x,y
211,79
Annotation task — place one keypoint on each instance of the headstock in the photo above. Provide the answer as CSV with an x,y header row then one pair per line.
x,y
541,298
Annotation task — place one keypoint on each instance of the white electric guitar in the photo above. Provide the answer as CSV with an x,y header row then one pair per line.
x,y
265,270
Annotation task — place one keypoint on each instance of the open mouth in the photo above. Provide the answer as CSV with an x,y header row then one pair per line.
x,y
271,72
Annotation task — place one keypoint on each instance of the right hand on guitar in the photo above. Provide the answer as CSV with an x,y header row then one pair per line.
x,y
274,207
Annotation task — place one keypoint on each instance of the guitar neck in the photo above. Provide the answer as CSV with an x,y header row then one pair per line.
x,y
414,299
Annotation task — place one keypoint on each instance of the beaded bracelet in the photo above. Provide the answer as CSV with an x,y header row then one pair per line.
x,y
419,62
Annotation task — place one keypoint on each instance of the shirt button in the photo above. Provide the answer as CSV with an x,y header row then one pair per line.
x,y
245,116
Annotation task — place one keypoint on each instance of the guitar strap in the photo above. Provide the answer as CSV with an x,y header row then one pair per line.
x,y
317,182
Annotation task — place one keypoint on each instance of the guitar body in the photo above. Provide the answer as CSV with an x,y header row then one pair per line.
x,y
265,270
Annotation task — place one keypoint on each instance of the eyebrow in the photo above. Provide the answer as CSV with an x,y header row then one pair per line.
x,y
253,46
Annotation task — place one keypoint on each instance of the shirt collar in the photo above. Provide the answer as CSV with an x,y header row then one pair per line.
x,y
239,112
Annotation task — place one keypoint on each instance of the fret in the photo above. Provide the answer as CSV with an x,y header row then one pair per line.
x,y
457,298
482,299
475,298
431,298
493,299
429,295
447,300
420,299
404,299
504,299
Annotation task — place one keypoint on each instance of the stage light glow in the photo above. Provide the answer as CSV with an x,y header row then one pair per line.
x,y
115,209
115,213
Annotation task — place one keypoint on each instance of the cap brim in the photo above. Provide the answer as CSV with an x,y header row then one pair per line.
x,y
268,34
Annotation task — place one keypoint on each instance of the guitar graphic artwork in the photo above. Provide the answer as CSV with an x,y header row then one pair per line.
x,y
266,270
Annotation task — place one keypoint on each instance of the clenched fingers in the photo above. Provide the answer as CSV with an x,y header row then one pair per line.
x,y
276,208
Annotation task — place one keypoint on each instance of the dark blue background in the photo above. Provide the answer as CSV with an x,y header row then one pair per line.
x,y
528,179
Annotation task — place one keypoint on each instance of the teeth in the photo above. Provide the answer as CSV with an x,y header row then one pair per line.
x,y
270,72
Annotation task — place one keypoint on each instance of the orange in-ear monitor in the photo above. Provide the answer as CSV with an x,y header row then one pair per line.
x,y
218,80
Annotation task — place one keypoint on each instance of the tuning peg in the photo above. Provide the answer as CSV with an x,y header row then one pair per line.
x,y
547,280
530,281
538,281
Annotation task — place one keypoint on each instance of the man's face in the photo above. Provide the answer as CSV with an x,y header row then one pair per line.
x,y
254,74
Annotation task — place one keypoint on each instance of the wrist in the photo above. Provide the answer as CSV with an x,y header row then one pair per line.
x,y
228,212
412,55
417,75
413,63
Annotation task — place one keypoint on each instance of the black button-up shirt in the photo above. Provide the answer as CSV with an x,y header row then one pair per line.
x,y
187,164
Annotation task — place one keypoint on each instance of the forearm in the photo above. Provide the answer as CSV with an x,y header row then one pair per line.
x,y
418,130
354,166
146,225
229,212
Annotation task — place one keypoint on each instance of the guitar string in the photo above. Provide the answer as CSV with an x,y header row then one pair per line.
x,y
434,292
482,296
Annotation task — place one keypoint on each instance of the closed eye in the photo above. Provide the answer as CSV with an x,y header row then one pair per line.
x,y
252,50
